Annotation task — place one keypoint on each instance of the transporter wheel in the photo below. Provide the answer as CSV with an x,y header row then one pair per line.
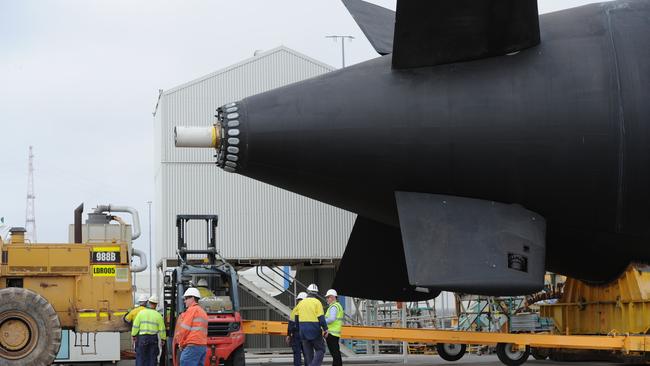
x,y
539,353
510,355
30,330
450,351
237,358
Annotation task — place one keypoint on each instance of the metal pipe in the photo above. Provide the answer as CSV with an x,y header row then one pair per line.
x,y
143,260
77,223
159,269
131,249
150,255
134,213
197,136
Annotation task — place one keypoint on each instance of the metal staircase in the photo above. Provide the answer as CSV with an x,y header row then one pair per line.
x,y
261,295
299,287
275,304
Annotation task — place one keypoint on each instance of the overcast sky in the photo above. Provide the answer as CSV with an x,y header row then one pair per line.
x,y
79,81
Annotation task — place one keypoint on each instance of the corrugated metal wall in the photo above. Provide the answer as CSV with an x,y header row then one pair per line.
x,y
257,221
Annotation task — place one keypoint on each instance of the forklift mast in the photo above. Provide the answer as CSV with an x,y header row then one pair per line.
x,y
225,337
211,229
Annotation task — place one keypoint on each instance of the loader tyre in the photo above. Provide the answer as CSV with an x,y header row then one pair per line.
x,y
30,330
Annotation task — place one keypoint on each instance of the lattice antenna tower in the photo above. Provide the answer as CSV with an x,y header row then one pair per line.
x,y
30,215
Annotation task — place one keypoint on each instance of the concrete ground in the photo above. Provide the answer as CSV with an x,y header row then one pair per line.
x,y
397,360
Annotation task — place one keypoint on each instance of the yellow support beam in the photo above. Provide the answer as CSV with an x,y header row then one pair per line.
x,y
624,343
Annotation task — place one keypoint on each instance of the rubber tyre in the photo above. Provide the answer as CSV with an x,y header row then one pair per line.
x,y
237,358
510,358
539,353
45,337
451,352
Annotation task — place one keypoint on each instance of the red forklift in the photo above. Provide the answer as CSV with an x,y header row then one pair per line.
x,y
216,279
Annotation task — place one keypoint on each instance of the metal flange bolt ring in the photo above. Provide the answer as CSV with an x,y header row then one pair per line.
x,y
224,136
228,155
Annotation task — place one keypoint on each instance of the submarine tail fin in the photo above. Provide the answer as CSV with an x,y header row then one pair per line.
x,y
429,33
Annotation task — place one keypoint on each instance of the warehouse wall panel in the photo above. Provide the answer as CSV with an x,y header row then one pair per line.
x,y
257,221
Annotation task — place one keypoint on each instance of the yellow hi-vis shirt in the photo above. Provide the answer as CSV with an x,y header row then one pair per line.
x,y
335,326
309,310
311,319
130,316
149,322
205,292
294,312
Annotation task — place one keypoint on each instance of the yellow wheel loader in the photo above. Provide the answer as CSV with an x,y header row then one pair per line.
x,y
84,285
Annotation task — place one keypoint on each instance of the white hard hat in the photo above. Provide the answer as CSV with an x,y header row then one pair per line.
x,y
192,291
153,299
142,298
301,296
331,292
312,288
202,282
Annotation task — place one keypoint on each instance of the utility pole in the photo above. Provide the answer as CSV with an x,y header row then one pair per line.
x,y
30,215
150,259
342,38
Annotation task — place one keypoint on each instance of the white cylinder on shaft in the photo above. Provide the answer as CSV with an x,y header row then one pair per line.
x,y
194,136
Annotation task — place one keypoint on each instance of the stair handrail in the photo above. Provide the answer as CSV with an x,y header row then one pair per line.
x,y
259,270
284,275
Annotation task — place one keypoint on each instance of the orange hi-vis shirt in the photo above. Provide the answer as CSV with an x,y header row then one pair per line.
x,y
192,327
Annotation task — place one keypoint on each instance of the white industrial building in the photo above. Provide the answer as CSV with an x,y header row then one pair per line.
x,y
258,223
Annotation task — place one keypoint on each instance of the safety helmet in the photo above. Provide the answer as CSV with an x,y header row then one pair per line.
x,y
202,282
192,291
301,296
153,299
142,298
331,292
312,288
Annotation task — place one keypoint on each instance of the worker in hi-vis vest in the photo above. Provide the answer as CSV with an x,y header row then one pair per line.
x,y
202,286
142,304
148,325
293,332
334,318
312,325
191,333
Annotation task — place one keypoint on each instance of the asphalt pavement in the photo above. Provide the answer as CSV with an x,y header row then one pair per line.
x,y
397,360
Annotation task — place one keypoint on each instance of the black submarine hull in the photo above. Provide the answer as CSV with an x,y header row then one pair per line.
x,y
561,129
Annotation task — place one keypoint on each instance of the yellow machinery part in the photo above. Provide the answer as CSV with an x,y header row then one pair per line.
x,y
620,307
625,343
87,295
